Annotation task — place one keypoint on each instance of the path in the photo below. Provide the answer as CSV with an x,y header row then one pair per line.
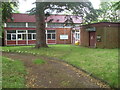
x,y
54,74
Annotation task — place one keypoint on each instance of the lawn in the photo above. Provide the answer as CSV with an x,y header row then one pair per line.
x,y
39,61
13,73
102,63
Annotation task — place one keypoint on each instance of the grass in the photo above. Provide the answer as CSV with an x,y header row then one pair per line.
x,y
65,83
102,63
13,73
38,61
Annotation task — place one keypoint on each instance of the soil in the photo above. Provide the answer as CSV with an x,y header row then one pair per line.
x,y
54,73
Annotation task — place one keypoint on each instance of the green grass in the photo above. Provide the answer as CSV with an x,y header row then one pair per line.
x,y
38,61
102,63
13,73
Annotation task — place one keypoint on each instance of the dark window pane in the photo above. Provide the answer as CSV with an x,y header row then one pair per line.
x,y
23,36
8,36
19,37
11,31
31,31
48,36
50,31
34,36
22,31
53,36
29,36
13,36
78,36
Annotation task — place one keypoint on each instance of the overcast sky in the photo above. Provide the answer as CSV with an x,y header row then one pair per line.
x,y
26,5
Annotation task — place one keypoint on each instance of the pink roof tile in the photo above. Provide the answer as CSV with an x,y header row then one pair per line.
x,y
18,17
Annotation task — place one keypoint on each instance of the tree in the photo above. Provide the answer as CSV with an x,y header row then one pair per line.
x,y
117,5
82,9
6,10
107,12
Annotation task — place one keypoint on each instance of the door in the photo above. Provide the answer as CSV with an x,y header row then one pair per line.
x,y
92,39
75,36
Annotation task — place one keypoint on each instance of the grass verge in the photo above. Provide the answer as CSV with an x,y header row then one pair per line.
x,y
13,73
38,61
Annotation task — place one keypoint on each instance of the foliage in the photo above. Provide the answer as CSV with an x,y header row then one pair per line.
x,y
102,63
107,12
13,73
117,5
39,61
82,9
7,9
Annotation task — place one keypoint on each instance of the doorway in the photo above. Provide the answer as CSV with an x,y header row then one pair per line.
x,y
92,39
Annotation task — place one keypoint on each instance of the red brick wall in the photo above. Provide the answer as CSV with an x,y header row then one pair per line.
x,y
109,37
84,39
62,31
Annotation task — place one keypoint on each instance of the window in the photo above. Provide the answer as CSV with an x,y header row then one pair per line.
x,y
23,36
19,36
8,36
51,34
77,36
31,31
30,24
48,36
50,31
16,24
29,36
13,36
11,31
34,36
21,31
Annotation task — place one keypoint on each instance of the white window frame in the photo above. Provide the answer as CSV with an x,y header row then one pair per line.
x,y
10,35
77,33
51,35
7,36
17,32
32,36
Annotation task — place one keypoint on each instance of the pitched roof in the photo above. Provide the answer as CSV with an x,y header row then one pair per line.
x,y
19,17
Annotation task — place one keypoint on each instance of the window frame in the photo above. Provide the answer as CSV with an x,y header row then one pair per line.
x,y
51,35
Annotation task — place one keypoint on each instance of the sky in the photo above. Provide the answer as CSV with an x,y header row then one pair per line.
x,y
26,5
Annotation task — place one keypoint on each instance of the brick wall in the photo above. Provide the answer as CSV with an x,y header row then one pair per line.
x,y
84,37
62,31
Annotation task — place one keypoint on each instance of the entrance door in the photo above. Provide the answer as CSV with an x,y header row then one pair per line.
x,y
75,36
92,39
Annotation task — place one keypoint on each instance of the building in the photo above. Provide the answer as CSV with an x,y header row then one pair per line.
x,y
22,30
100,35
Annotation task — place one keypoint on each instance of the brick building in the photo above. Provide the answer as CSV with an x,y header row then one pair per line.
x,y
100,35
22,30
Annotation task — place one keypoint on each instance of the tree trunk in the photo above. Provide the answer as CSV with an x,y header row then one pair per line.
x,y
40,26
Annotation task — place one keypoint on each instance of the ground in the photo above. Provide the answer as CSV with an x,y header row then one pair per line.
x,y
54,73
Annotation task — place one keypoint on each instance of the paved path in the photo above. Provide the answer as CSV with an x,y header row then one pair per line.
x,y
54,74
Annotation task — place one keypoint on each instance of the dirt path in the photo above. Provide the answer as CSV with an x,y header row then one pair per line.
x,y
54,74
